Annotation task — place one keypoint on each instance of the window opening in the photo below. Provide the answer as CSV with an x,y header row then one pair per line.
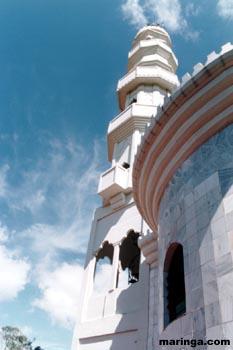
x,y
126,165
130,257
103,269
174,284
134,100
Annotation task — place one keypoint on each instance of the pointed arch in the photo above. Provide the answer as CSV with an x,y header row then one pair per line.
x,y
106,251
103,268
130,256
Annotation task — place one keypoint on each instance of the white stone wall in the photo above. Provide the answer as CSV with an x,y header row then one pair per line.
x,y
153,309
118,317
197,211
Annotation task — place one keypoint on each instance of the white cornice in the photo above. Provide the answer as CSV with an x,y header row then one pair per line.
x,y
136,116
146,75
155,31
154,45
194,113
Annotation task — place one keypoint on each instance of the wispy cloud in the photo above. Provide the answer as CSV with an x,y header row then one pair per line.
x,y
225,9
134,12
169,13
58,194
4,234
69,185
192,9
14,269
3,180
60,293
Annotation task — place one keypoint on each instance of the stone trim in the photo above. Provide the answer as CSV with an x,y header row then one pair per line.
x,y
197,111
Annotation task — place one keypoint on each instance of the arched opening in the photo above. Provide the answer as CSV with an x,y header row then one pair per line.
x,y
174,284
103,269
129,259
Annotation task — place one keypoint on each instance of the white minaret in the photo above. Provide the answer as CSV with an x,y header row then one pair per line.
x,y
115,298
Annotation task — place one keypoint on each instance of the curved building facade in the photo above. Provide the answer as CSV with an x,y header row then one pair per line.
x,y
115,296
159,265
183,188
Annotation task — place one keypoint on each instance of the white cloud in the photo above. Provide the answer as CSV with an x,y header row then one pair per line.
x,y
14,270
60,188
58,195
60,290
69,185
14,274
4,234
49,240
225,8
68,179
3,180
168,13
33,201
58,180
192,9
133,11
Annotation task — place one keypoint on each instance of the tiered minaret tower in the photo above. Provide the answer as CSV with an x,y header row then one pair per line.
x,y
115,298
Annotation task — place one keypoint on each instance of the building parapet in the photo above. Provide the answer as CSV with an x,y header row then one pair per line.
x,y
193,113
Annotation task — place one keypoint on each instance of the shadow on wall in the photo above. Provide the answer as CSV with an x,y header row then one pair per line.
x,y
93,245
207,265
119,299
131,305
197,212
132,328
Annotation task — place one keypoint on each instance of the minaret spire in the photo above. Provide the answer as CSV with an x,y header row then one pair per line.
x,y
150,77
115,295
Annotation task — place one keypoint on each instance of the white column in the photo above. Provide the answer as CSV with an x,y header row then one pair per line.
x,y
88,285
115,265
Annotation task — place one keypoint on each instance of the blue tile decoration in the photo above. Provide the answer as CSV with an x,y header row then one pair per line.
x,y
214,155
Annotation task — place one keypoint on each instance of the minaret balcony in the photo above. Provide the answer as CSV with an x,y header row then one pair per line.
x,y
154,47
134,113
145,75
135,117
113,181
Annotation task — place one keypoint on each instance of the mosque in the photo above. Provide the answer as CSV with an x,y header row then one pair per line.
x,y
159,264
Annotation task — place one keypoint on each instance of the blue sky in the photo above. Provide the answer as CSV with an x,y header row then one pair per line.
x,y
59,65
